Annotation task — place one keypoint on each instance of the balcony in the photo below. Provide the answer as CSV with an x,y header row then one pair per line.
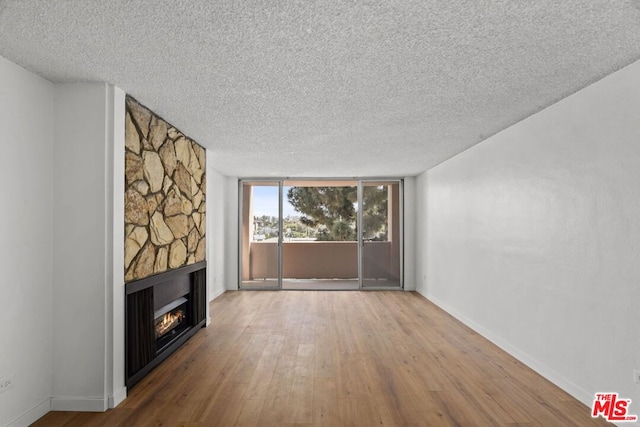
x,y
320,264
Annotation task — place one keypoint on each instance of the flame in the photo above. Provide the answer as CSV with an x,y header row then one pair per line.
x,y
169,321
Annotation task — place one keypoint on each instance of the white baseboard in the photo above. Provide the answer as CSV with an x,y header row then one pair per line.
x,y
68,404
33,415
117,397
79,404
541,368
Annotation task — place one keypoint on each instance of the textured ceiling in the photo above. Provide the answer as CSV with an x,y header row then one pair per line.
x,y
329,88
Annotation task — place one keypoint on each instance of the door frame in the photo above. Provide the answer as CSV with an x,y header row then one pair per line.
x,y
360,241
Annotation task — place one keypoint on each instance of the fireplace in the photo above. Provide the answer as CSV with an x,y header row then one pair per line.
x,y
162,313
170,321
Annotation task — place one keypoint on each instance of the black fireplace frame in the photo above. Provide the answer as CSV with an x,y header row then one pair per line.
x,y
141,354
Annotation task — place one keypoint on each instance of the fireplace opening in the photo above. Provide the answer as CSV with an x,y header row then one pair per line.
x,y
169,321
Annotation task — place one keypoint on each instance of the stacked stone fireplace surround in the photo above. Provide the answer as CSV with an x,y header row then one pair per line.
x,y
165,231
165,209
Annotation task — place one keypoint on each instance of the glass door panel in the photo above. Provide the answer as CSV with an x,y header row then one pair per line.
x,y
260,233
381,234
319,235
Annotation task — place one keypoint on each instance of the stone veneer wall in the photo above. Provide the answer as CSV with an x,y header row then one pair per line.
x,y
164,195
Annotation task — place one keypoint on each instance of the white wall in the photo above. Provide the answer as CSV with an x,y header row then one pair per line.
x,y
231,246
26,257
216,229
532,238
409,212
420,244
116,390
88,367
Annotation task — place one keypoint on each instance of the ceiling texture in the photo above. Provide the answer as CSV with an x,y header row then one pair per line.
x,y
294,88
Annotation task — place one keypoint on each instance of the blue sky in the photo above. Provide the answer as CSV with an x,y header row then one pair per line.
x,y
265,201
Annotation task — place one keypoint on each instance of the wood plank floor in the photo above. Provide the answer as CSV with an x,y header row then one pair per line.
x,y
337,359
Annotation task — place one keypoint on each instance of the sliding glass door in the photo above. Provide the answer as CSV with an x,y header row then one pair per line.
x,y
381,234
320,240
321,234
260,235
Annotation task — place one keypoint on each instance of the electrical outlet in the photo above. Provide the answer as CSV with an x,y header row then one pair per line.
x,y
636,376
6,384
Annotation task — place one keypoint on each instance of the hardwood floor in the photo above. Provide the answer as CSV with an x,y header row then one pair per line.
x,y
337,358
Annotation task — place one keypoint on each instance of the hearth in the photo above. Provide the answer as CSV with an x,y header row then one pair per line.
x,y
162,313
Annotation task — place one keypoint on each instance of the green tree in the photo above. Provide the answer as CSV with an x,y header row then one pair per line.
x,y
374,212
333,211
